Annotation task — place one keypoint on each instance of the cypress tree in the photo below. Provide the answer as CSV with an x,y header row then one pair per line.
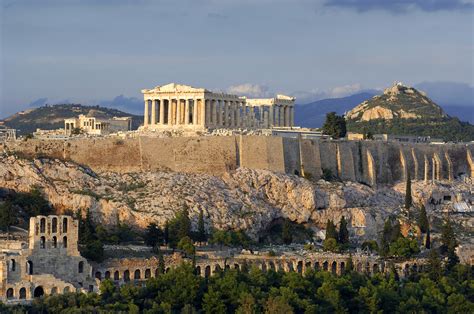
x,y
343,237
423,222
161,264
286,235
184,224
331,230
428,239
166,232
408,198
202,236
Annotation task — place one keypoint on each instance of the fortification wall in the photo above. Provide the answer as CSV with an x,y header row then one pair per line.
x,y
370,162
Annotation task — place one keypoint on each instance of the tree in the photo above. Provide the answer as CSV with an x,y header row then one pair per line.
x,y
277,305
423,222
448,239
334,126
434,265
7,215
186,244
161,264
343,236
330,244
286,233
408,198
404,247
331,230
428,239
201,234
153,235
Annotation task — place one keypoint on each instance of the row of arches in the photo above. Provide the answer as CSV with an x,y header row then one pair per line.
x,y
54,242
54,225
23,293
127,275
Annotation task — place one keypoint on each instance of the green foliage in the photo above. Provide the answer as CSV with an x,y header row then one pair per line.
x,y
334,126
186,245
153,235
343,236
391,233
286,233
423,222
330,244
201,232
408,197
404,247
371,245
448,129
7,215
331,230
179,227
91,247
182,291
230,238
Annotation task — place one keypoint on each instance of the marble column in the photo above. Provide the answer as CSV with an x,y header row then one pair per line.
x,y
260,118
170,111
145,115
178,111
203,112
270,116
162,112
153,112
239,112
195,112
292,116
214,112
186,111
225,121
277,116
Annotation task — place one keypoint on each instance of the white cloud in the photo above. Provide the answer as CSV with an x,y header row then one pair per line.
x,y
251,90
342,91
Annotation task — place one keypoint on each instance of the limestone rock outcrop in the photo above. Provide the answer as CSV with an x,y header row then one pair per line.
x,y
242,199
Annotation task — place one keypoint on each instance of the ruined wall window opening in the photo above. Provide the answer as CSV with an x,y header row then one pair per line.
x,y
80,267
10,293
137,274
22,293
65,242
55,242
42,225
12,265
126,275
116,275
29,268
54,225
42,242
64,225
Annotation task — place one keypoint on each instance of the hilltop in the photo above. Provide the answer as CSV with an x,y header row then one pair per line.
x,y
50,117
404,110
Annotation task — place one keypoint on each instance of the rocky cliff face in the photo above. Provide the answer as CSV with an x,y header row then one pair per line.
x,y
243,199
398,101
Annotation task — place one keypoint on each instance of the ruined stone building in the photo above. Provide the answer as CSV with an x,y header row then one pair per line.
x,y
175,106
97,126
49,262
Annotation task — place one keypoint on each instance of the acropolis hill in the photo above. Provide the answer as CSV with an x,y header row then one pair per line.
x,y
176,146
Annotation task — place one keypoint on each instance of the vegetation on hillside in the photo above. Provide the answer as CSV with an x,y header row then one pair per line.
x,y
251,290
334,126
51,117
448,129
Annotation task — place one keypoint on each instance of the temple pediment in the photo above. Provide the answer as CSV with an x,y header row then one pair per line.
x,y
178,88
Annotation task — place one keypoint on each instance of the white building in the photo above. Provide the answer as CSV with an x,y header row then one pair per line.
x,y
97,126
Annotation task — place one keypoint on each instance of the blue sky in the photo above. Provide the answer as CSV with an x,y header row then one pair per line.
x,y
91,51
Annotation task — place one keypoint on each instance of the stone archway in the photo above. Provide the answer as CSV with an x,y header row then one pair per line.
x,y
39,292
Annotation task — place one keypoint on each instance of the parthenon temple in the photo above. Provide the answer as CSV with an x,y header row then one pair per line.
x,y
182,106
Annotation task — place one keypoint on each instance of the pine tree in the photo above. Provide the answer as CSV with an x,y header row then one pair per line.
x,y
202,236
331,230
434,265
408,198
286,234
423,222
448,239
343,237
154,235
